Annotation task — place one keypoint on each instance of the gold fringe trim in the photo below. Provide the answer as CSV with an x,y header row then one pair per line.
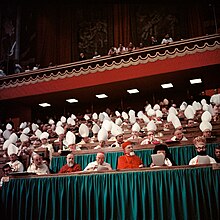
x,y
114,65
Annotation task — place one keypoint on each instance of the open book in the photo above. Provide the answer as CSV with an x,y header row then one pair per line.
x,y
158,159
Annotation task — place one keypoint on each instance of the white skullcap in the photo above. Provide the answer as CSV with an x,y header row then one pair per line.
x,y
8,126
132,119
102,135
12,149
70,121
203,102
124,115
118,121
116,130
86,117
59,130
146,119
44,135
73,116
6,134
101,116
83,130
117,113
215,99
140,114
94,116
38,133
159,114
24,137
189,112
95,129
51,122
26,130
172,110
70,138
5,145
34,127
156,107
13,138
147,107
151,112
206,116
151,126
136,127
131,113
107,125
205,125
63,119
176,122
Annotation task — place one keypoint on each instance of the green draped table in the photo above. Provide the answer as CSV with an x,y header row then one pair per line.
x,y
171,193
181,155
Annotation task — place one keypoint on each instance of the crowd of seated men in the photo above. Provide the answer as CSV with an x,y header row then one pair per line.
x,y
31,146
18,68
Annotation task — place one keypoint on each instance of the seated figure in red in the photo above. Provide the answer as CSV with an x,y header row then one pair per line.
x,y
70,166
129,160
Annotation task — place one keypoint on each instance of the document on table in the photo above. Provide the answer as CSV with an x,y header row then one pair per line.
x,y
203,159
158,159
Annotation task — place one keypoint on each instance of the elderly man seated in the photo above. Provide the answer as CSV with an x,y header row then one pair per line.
x,y
38,166
129,159
70,166
15,164
98,164
200,146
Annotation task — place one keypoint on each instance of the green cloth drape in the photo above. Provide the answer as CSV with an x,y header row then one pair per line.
x,y
181,156
158,194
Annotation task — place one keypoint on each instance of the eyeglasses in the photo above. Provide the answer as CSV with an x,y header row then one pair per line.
x,y
201,148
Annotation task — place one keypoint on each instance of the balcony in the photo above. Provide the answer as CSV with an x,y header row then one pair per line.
x,y
145,69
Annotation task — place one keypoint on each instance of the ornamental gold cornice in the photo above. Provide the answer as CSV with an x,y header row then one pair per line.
x,y
124,61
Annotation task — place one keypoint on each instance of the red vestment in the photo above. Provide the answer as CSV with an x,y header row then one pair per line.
x,y
127,162
68,169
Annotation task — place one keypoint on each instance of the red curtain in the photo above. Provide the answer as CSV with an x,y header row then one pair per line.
x,y
122,26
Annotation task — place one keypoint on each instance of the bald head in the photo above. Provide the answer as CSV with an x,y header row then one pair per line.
x,y
100,158
37,159
70,160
